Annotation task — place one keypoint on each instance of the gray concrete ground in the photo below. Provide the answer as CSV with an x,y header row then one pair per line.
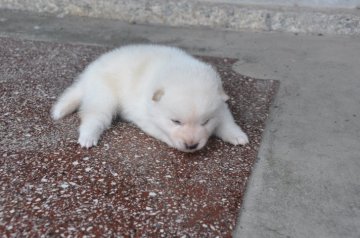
x,y
307,179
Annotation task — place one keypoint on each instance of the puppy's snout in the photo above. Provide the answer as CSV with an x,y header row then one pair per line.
x,y
191,146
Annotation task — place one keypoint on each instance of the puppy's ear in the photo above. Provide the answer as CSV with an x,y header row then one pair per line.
x,y
157,95
223,95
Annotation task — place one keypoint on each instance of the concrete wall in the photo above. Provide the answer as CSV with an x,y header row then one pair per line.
x,y
305,3
223,14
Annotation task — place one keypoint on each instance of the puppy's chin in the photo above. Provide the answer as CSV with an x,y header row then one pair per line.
x,y
181,147
187,151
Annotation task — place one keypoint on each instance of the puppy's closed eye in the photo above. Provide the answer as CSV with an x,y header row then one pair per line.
x,y
205,122
176,122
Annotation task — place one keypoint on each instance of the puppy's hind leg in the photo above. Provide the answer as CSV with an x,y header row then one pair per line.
x,y
228,130
96,114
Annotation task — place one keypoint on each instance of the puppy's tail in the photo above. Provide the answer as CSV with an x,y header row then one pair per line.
x,y
68,102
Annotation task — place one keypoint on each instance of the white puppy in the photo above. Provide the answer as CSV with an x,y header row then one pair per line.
x,y
167,93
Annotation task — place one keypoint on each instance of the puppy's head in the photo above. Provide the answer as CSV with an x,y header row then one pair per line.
x,y
187,111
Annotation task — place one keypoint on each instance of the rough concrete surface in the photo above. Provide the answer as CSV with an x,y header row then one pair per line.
x,y
306,182
312,3
203,13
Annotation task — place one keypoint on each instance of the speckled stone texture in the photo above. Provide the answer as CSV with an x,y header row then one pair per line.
x,y
130,185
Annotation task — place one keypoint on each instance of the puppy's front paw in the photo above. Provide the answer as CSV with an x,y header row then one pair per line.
x,y
235,136
87,141
56,112
239,139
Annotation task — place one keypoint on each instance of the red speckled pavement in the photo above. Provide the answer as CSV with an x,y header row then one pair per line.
x,y
130,185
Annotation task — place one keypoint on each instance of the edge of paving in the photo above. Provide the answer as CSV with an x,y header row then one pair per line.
x,y
255,182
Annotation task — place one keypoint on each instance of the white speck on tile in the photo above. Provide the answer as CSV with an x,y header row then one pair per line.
x,y
64,185
152,194
75,163
86,158
87,169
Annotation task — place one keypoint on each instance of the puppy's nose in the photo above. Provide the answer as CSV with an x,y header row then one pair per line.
x,y
192,146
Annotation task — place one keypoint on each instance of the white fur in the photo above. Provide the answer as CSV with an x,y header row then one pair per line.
x,y
167,93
